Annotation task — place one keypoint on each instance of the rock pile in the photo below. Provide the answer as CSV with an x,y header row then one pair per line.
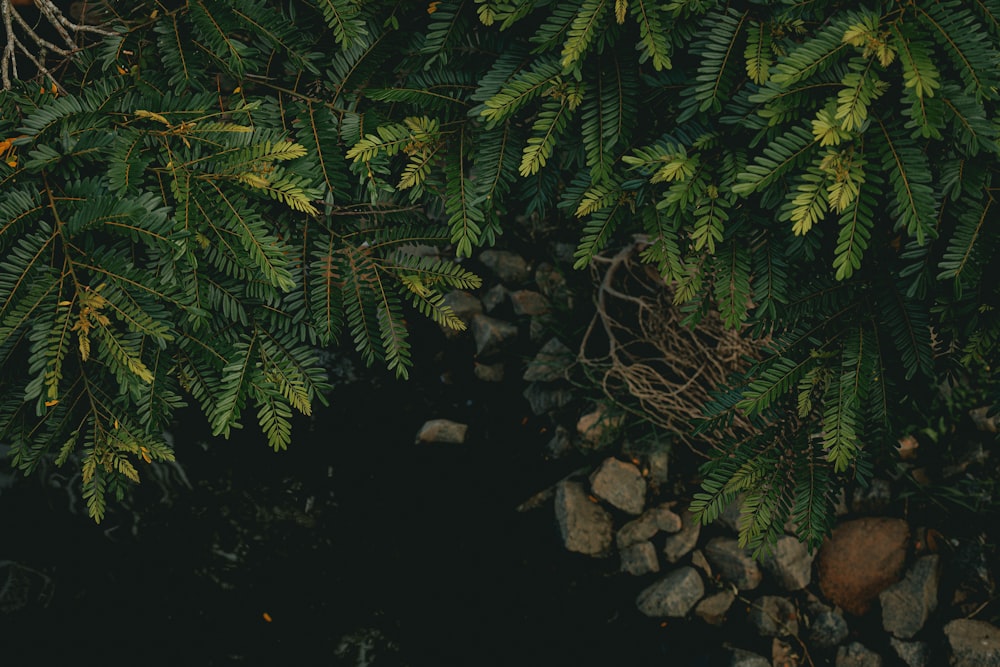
x,y
810,608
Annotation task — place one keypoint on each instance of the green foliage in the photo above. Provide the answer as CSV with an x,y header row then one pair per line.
x,y
185,223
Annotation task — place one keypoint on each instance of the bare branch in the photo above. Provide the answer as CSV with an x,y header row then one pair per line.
x,y
22,39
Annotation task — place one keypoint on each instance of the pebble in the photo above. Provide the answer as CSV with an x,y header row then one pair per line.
x,y
560,444
544,398
790,563
463,304
595,428
973,643
493,297
907,604
620,484
584,525
639,559
856,654
733,563
861,559
550,363
828,627
509,267
491,335
674,595
714,608
741,658
914,654
774,616
647,525
488,372
677,546
529,302
443,431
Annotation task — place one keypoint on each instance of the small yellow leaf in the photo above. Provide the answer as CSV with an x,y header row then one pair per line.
x,y
237,90
152,115
49,404
621,6
433,7
154,13
122,70
65,303
116,423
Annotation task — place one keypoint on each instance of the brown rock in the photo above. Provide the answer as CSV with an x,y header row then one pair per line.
x,y
597,427
861,559
528,302
585,526
442,430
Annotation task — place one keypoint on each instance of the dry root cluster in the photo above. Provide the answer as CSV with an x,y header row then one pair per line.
x,y
644,358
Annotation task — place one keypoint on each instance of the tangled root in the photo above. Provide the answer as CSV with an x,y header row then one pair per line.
x,y
645,359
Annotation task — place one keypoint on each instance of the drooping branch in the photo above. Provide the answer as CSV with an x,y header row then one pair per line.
x,y
22,40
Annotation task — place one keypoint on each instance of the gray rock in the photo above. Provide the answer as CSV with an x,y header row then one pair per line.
x,y
907,604
713,609
828,627
488,372
666,519
679,545
741,658
545,398
491,334
774,616
635,531
584,525
790,563
493,297
733,563
699,561
550,363
463,304
442,430
508,267
639,559
560,444
856,655
648,525
621,484
973,643
730,516
872,500
674,595
914,654
529,302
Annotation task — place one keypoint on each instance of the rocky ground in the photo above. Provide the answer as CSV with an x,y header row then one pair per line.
x,y
897,583
507,514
